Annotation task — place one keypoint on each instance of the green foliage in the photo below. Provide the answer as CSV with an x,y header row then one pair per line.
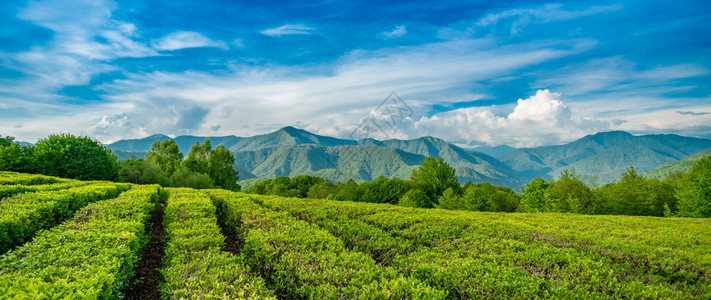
x,y
23,215
206,168
92,256
635,195
434,176
184,177
299,186
451,199
166,155
416,198
68,156
220,162
140,171
321,190
195,267
571,194
303,261
475,255
695,199
14,157
537,196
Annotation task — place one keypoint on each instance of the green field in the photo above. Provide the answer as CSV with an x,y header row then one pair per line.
x,y
66,239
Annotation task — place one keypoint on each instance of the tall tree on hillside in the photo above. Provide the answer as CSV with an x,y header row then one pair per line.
x,y
198,158
65,155
695,194
434,176
166,155
221,168
537,196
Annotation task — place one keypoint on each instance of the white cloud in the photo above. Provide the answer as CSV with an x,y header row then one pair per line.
x,y
541,119
186,39
398,31
288,29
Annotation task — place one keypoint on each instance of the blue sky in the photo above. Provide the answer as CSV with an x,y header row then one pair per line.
x,y
519,73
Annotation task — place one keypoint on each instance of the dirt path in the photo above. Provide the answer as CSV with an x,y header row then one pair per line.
x,y
151,261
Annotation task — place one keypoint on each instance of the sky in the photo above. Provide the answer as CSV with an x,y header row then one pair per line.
x,y
520,73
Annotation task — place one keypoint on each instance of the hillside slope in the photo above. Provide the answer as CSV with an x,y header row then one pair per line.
x,y
683,165
605,155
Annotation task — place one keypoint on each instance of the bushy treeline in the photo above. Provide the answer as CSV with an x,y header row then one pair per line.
x,y
680,194
61,155
203,168
433,184
69,156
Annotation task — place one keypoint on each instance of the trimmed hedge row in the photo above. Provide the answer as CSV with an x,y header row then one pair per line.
x,y
194,265
92,256
522,255
23,215
13,178
300,260
11,190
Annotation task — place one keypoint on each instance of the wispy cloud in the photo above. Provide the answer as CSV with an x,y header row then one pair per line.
x,y
186,39
398,31
692,113
288,29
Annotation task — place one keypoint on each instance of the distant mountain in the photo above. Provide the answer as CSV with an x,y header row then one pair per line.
x,y
290,151
137,145
493,150
287,136
683,165
605,155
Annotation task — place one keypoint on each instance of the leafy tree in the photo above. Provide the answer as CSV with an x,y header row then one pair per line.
x,y
188,178
349,191
142,171
198,158
166,155
65,155
571,194
451,199
434,176
321,190
389,190
221,170
537,196
695,196
15,157
416,198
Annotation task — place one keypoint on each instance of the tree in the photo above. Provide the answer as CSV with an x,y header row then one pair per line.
x,y
416,198
434,176
188,178
451,199
197,160
221,170
536,196
65,155
140,171
571,194
321,190
15,157
166,155
695,193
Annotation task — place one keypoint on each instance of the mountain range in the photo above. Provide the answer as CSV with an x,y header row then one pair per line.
x,y
290,152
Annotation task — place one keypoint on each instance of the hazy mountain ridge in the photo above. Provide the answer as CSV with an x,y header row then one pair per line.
x,y
605,155
290,152
683,165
